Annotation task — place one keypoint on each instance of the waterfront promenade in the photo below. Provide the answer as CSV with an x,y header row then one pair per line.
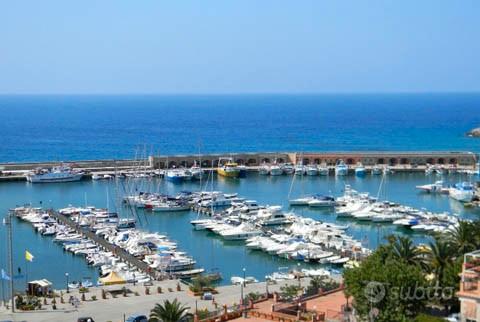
x,y
114,309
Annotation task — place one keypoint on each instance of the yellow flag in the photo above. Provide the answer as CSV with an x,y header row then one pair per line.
x,y
28,256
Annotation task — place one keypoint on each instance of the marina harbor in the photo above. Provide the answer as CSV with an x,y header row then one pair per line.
x,y
212,162
276,221
317,219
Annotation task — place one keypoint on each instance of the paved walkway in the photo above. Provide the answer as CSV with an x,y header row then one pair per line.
x,y
114,309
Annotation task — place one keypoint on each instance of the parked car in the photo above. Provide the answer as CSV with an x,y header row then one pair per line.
x,y
85,319
137,318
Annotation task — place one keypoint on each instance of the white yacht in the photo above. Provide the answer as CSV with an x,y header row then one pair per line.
x,y
341,169
303,201
175,175
436,187
360,170
299,169
311,170
56,174
376,170
241,232
276,170
322,202
196,172
271,216
288,168
264,169
462,192
170,206
323,170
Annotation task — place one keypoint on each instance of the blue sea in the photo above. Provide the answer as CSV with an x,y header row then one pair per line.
x,y
37,128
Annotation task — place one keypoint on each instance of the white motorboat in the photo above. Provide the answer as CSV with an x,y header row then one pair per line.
x,y
303,201
276,170
241,232
360,170
56,174
376,170
237,280
272,216
462,192
432,187
175,175
264,170
311,170
170,206
196,172
322,201
299,169
288,168
341,169
323,170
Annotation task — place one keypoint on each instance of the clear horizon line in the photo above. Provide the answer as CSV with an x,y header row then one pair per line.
x,y
235,93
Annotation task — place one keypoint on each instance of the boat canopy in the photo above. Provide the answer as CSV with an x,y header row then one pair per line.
x,y
112,279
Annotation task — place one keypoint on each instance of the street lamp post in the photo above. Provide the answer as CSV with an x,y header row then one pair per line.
x,y
66,276
241,287
298,272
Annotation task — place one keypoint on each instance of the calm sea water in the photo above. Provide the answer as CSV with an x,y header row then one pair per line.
x,y
210,251
92,127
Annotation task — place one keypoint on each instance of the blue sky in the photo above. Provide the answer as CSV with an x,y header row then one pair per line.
x,y
239,46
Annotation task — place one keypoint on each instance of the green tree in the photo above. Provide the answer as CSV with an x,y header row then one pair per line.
x,y
169,312
404,249
321,282
200,283
439,257
463,236
289,291
381,285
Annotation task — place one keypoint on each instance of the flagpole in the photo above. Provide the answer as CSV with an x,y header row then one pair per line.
x,y
26,271
3,291
10,258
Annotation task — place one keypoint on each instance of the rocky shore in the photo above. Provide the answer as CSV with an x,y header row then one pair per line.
x,y
475,133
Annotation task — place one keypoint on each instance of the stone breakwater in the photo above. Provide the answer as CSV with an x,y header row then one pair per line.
x,y
475,133
398,160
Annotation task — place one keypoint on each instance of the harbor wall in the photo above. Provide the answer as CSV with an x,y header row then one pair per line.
x,y
407,159
465,159
91,165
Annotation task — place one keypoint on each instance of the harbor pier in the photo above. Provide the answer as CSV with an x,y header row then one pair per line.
x,y
367,158
408,161
118,251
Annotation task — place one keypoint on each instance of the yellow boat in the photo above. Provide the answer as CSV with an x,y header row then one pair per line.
x,y
229,169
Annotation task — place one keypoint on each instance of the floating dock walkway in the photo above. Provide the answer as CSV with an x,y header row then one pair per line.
x,y
118,251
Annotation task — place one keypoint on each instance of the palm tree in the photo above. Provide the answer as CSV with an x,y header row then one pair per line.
x,y
403,248
440,256
463,237
169,312
317,282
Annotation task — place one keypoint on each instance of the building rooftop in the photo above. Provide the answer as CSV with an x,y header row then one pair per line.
x,y
470,283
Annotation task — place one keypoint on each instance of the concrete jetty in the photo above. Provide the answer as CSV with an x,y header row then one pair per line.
x,y
406,161
118,251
